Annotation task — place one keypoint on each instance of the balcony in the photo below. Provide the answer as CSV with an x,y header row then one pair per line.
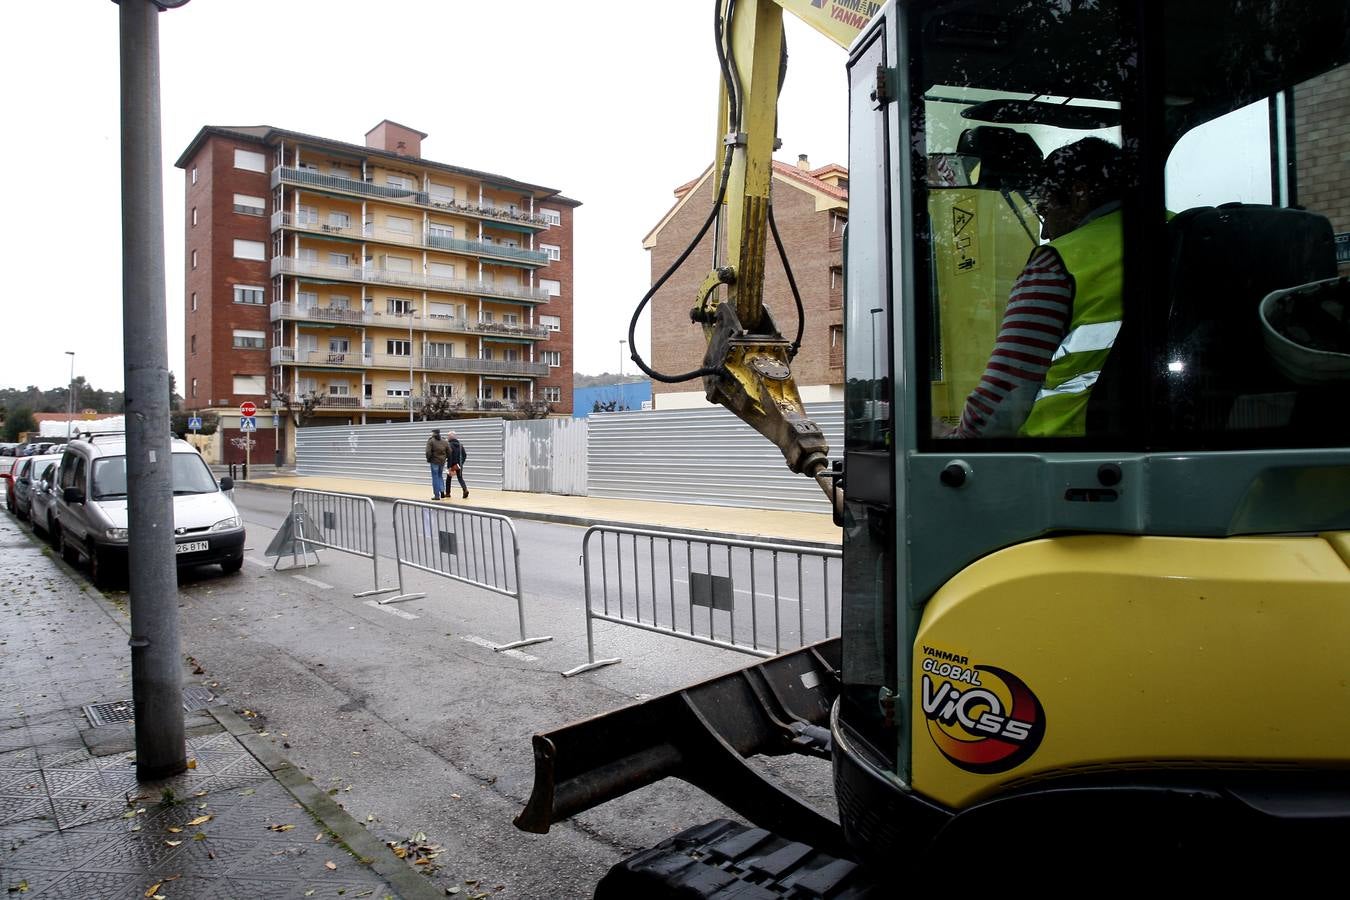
x,y
484,249
289,356
337,184
287,265
435,322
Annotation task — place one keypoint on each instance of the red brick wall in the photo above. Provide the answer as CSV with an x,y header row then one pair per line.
x,y
1322,145
678,345
216,362
560,306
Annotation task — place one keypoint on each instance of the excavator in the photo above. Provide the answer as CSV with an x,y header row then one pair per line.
x,y
1121,642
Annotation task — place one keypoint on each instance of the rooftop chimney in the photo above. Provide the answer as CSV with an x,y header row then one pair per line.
x,y
803,163
392,137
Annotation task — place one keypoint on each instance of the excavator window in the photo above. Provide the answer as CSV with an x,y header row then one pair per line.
x,y
1131,244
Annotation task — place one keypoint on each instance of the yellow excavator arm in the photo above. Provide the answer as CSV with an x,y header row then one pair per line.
x,y
748,360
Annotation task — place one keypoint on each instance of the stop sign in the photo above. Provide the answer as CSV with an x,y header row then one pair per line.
x,y
247,408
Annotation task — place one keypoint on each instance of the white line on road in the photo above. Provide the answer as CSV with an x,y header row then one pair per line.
x,y
393,611
314,581
483,642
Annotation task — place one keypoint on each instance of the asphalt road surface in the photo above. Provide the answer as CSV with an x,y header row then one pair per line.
x,y
405,713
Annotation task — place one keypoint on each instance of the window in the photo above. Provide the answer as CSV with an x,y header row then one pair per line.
x,y
398,264
339,259
511,318
194,301
194,174
337,302
339,345
248,293
307,215
440,349
399,224
243,250
194,381
249,340
446,232
398,389
510,392
441,270
337,221
306,299
553,250
396,306
551,216
441,193
485,316
399,182
194,216
552,394
398,348
553,287
553,357
250,384
511,354
552,323
194,257
339,390
485,353
249,206
441,390
487,392
250,160
192,341
837,222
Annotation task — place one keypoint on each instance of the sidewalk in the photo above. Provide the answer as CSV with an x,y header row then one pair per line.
x,y
813,529
75,823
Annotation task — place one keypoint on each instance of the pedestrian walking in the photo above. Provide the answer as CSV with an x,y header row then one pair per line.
x,y
456,457
438,453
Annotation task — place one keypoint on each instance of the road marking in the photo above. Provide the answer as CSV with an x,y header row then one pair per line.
x,y
258,562
483,642
392,610
314,581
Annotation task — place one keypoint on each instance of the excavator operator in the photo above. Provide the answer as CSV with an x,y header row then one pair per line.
x,y
1064,310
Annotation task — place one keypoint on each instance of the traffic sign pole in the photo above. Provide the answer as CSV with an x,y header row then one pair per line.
x,y
247,410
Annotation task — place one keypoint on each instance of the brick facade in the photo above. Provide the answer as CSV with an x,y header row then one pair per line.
x,y
809,212
1322,147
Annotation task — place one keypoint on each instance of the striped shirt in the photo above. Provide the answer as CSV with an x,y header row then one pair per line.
x,y
1040,308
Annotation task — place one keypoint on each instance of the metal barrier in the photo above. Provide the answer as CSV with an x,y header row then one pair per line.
x,y
472,547
343,522
692,590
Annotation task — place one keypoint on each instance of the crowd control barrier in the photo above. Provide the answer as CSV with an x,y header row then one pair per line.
x,y
324,520
475,548
755,597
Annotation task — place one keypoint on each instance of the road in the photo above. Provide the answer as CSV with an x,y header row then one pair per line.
x,y
414,724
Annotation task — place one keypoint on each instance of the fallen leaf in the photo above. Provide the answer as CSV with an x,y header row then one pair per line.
x,y
192,764
455,797
370,818
248,792
173,829
318,837
20,888
153,889
172,843
309,893
199,836
201,794
280,827
330,865
200,820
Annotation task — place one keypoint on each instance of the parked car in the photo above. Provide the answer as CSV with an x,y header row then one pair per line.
x,y
25,474
7,466
91,509
42,500
7,448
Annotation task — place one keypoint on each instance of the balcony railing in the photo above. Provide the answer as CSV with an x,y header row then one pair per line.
x,y
357,360
287,175
429,241
288,265
331,402
434,322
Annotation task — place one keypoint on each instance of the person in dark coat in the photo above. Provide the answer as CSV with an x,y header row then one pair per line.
x,y
456,458
438,453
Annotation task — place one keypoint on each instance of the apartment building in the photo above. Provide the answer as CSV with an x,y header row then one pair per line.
x,y
810,208
369,279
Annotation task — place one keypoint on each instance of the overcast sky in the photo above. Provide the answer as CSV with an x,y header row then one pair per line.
x,y
612,104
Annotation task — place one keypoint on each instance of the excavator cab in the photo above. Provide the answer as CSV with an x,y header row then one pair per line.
x,y
1095,486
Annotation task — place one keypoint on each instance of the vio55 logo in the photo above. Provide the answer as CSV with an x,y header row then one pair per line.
x,y
982,719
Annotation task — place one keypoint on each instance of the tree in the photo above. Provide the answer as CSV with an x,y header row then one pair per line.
x,y
438,408
178,423
534,409
18,422
299,409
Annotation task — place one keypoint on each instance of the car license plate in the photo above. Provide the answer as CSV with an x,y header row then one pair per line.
x,y
192,547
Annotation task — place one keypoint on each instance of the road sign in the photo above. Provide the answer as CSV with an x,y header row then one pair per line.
x,y
248,423
195,423
248,409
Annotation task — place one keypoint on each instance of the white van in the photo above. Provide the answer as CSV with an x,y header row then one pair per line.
x,y
91,511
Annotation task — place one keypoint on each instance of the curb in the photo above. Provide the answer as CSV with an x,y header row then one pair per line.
x,y
365,846
582,521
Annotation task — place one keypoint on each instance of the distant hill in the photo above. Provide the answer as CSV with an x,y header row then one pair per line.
x,y
604,379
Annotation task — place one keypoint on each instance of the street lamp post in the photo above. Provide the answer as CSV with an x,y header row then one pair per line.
x,y
622,405
70,400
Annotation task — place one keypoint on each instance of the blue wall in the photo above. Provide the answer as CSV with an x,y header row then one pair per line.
x,y
633,396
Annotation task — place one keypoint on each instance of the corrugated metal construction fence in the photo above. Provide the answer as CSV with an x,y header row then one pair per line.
x,y
705,456
757,597
474,548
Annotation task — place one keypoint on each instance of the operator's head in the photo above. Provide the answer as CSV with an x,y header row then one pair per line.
x,y
1075,180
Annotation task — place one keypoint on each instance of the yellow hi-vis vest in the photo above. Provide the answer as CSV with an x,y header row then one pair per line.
x,y
1092,256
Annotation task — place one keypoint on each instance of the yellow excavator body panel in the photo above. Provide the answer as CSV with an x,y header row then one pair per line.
x,y
1109,653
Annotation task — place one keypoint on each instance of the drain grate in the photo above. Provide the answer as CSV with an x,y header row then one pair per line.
x,y
119,711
